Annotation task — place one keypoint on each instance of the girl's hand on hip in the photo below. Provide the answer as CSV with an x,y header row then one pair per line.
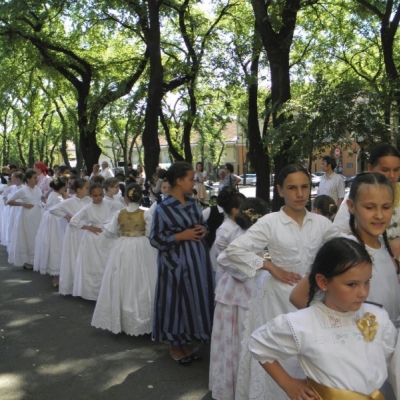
x,y
290,278
298,390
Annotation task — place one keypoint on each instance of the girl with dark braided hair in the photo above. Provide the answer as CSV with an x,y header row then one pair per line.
x,y
344,345
371,205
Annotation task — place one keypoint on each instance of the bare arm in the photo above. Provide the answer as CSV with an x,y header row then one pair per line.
x,y
299,295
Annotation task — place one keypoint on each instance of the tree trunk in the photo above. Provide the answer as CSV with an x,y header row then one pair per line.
x,y
258,152
150,140
277,46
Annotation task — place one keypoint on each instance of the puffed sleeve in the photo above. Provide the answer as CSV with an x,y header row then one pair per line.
x,y
18,195
226,266
79,219
111,228
391,345
162,235
273,341
243,253
61,209
148,219
342,217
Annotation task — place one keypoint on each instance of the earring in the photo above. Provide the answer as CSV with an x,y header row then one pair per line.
x,y
324,289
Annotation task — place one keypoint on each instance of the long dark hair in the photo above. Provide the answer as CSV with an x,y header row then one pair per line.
x,y
334,258
369,178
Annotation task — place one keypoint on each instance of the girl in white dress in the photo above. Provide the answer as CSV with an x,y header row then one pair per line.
x,y
230,200
343,345
200,177
126,298
51,231
232,295
17,184
22,243
95,247
6,213
72,238
293,236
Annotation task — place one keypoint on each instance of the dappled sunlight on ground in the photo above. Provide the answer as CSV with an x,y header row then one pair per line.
x,y
15,282
24,321
14,383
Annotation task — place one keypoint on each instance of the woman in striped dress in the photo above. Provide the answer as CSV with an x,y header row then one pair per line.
x,y
184,298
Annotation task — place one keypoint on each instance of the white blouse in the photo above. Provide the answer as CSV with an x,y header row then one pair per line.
x,y
70,206
290,246
330,348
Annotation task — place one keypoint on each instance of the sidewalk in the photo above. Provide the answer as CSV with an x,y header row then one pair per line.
x,y
49,350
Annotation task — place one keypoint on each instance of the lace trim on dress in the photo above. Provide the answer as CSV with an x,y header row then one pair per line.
x,y
124,321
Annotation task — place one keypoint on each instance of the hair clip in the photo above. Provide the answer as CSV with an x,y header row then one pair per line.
x,y
249,214
131,193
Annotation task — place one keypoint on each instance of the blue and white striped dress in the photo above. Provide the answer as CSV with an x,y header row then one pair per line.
x,y
184,298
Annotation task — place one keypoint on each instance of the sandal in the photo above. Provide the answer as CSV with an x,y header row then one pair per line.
x,y
185,361
195,357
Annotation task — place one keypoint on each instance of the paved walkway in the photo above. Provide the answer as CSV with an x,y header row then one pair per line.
x,y
49,350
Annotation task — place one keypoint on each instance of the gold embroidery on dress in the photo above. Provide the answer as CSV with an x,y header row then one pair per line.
x,y
132,223
368,326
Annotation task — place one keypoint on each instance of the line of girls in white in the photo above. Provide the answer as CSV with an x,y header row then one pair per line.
x,y
83,237
261,346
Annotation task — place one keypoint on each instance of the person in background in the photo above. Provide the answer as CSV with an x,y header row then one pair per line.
x,y
95,171
43,181
231,180
331,183
199,178
106,171
13,168
222,175
56,169
141,176
64,170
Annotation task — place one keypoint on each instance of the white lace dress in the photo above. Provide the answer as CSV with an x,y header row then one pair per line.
x,y
94,249
290,247
10,217
126,298
49,239
4,216
27,221
331,349
71,242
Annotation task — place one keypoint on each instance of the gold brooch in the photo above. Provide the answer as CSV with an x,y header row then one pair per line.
x,y
368,326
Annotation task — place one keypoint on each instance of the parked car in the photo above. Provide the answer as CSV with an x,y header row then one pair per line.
x,y
349,181
271,180
249,179
315,179
210,193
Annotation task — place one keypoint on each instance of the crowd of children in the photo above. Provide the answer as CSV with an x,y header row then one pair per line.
x,y
313,320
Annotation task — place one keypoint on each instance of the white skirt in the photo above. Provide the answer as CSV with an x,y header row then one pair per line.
x,y
91,263
49,241
4,225
22,243
126,298
72,241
